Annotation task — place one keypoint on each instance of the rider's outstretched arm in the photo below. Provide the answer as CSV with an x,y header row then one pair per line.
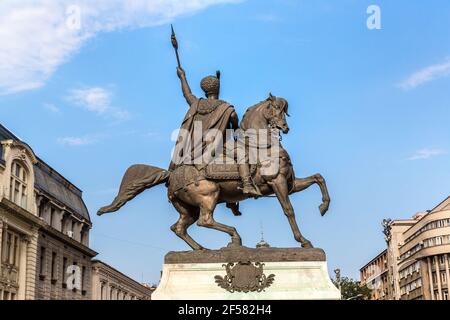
x,y
187,93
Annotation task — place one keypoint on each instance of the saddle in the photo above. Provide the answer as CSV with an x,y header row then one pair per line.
x,y
228,169
216,171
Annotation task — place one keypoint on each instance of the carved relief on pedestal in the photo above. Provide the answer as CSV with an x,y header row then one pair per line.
x,y
244,277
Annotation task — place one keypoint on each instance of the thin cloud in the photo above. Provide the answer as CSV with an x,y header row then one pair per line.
x,y
75,141
52,108
93,138
267,17
37,36
426,75
425,154
97,100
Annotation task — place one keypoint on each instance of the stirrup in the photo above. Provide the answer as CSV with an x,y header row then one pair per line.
x,y
251,189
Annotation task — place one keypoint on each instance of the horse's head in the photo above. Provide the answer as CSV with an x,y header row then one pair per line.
x,y
275,113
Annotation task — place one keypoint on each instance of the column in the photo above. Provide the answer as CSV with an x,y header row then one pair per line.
x,y
108,292
23,267
31,265
430,278
2,225
438,275
447,271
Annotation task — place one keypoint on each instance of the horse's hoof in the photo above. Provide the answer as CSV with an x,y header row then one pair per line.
x,y
234,244
100,213
307,245
323,208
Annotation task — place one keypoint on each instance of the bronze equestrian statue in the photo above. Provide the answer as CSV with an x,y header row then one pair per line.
x,y
196,187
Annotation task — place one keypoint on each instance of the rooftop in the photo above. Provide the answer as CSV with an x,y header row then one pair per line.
x,y
51,182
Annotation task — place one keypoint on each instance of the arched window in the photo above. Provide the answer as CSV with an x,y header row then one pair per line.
x,y
19,183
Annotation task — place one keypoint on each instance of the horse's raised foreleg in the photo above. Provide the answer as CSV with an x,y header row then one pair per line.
x,y
280,187
188,215
301,184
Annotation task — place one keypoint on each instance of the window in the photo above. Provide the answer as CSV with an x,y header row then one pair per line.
x,y
445,295
52,215
83,234
41,210
64,269
442,259
11,249
18,185
8,246
64,223
53,266
83,276
42,262
444,277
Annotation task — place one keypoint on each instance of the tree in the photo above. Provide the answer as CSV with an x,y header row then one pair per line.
x,y
352,289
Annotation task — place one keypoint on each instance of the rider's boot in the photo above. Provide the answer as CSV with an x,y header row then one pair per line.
x,y
248,186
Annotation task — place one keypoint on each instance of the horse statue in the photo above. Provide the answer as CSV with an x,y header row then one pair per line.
x,y
195,194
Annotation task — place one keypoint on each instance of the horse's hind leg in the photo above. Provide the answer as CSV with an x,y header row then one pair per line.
x,y
207,201
188,215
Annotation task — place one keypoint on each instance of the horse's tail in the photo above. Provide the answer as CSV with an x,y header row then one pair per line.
x,y
137,178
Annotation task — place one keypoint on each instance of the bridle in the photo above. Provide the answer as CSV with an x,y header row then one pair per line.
x,y
271,119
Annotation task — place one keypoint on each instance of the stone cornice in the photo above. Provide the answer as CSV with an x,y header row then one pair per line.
x,y
68,240
42,225
20,212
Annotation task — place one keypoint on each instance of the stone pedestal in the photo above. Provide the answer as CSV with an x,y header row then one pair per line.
x,y
246,274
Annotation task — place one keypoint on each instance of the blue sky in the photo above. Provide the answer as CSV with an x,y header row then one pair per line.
x,y
370,110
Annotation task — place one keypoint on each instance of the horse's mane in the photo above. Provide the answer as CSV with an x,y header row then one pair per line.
x,y
253,108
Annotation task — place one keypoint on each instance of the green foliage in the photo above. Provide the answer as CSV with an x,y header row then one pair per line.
x,y
352,289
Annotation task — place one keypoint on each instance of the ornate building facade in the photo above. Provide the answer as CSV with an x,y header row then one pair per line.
x,y
110,284
44,228
418,256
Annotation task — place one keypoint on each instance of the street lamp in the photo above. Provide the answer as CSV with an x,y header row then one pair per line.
x,y
337,272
